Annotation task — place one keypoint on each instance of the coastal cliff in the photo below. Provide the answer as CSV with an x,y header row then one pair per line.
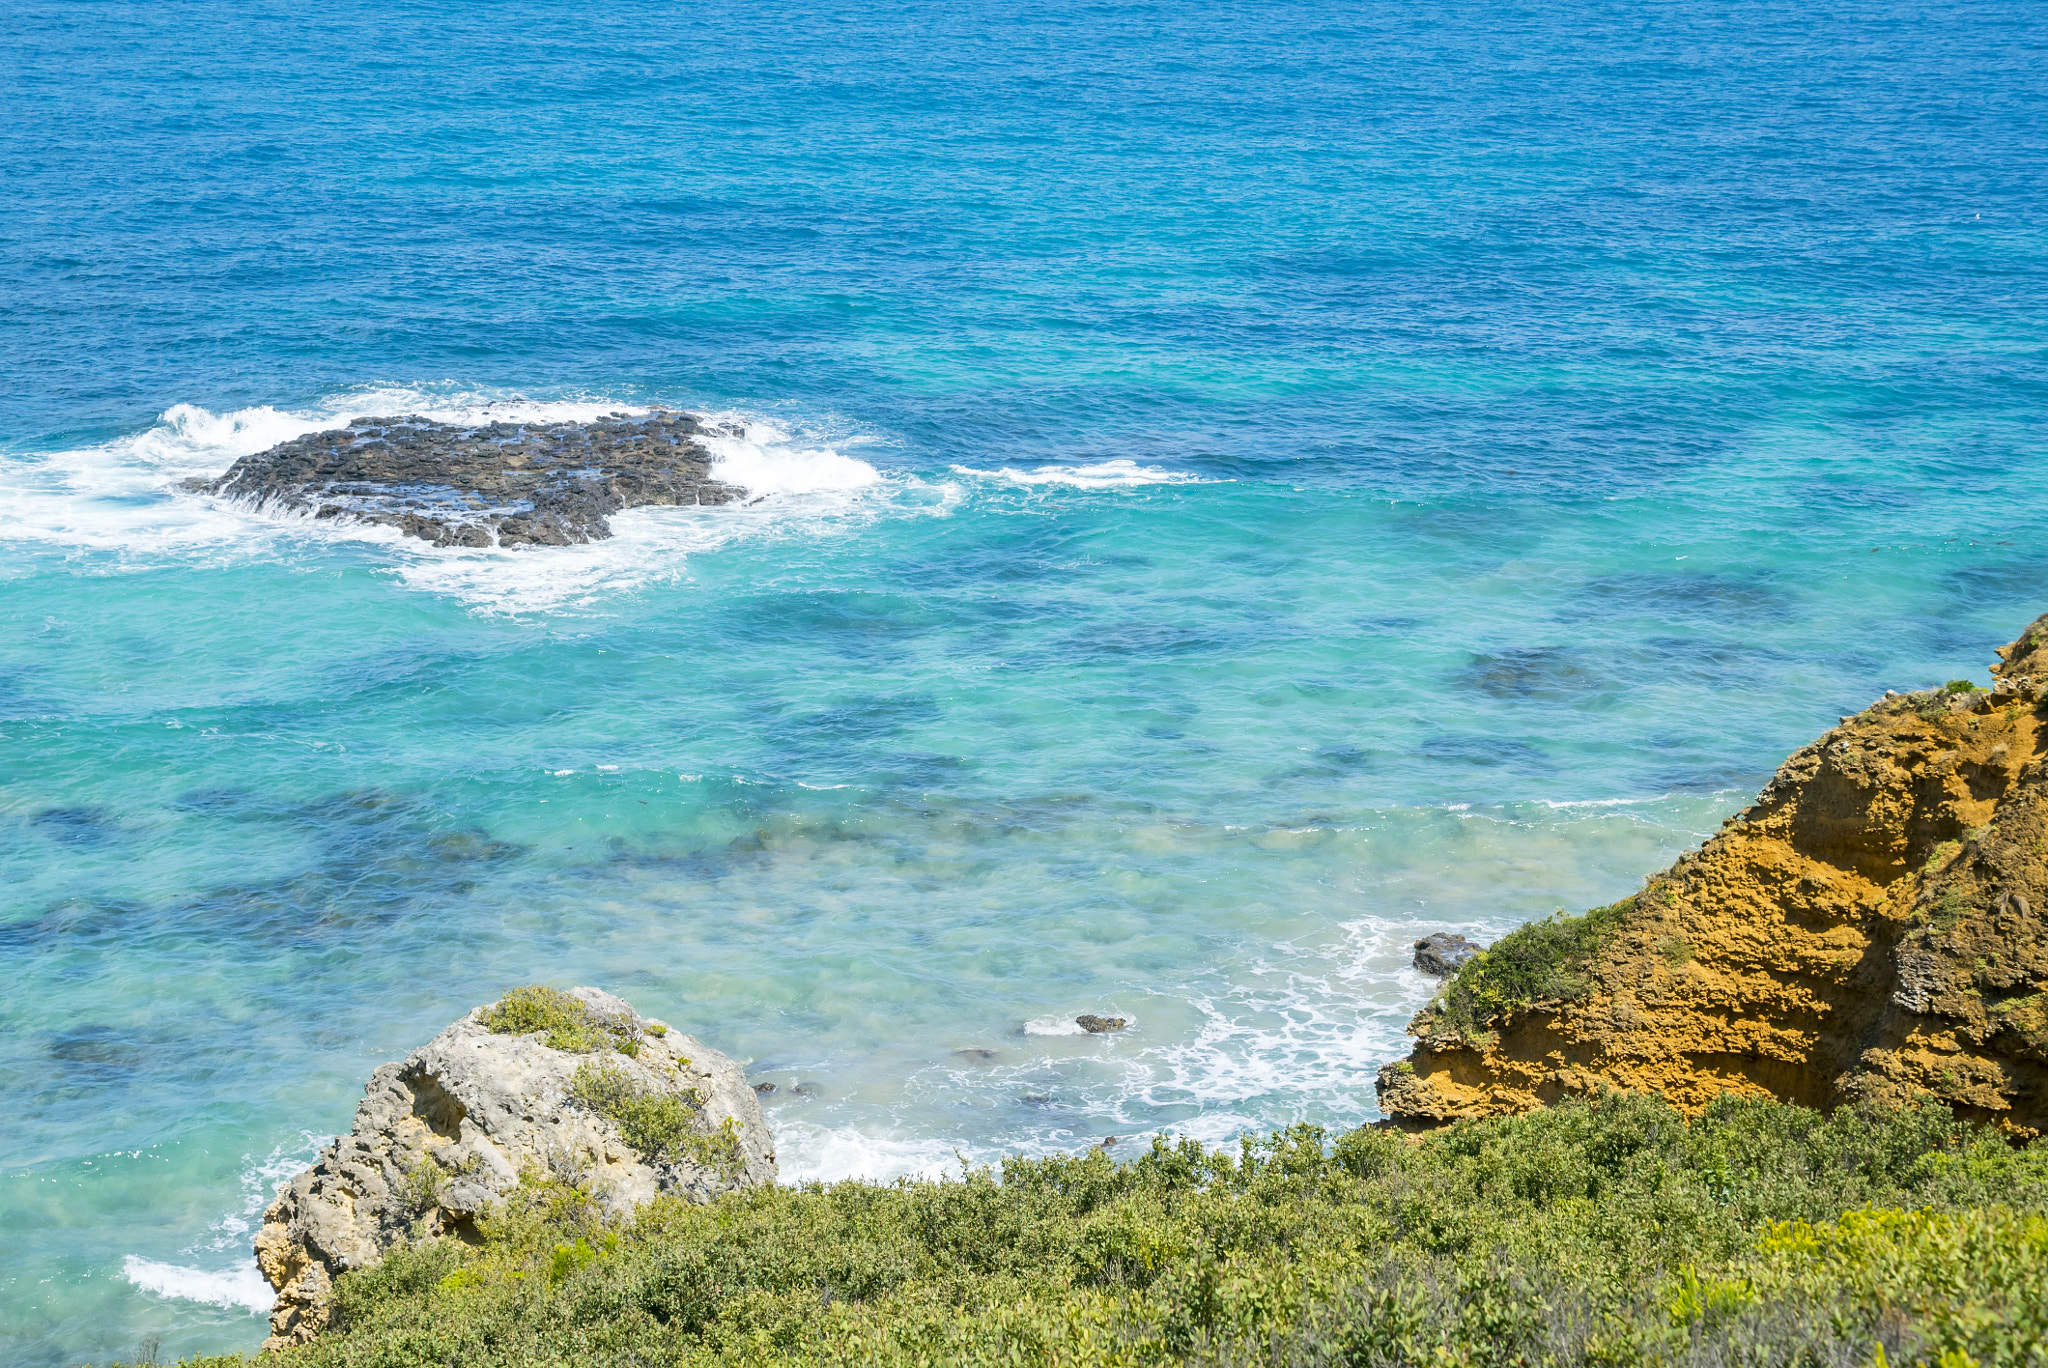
x,y
1871,929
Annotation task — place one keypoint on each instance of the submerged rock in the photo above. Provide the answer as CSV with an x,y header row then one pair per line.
x,y
1443,953
494,484
575,1086
1870,929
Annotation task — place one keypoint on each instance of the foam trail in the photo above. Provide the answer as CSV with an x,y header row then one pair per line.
x,y
1118,474
241,1286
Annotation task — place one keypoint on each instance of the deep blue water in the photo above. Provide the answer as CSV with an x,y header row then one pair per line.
x,y
1252,483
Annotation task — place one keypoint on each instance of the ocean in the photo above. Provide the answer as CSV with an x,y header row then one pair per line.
x,y
1249,485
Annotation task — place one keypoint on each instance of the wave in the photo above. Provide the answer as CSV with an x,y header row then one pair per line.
x,y
1297,1035
768,460
1118,474
115,506
241,1286
808,1153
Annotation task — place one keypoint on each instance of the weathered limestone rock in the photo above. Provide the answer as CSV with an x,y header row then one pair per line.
x,y
500,483
445,1134
1866,930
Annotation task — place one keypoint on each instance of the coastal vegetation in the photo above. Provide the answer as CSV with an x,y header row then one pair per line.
x,y
663,1126
1605,1231
561,1021
1781,1107
1544,961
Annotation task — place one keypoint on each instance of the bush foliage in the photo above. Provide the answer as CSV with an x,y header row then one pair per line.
x,y
1608,1233
1542,962
562,1022
664,1127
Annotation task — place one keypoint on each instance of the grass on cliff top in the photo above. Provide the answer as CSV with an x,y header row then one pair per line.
x,y
1543,962
562,1022
1609,1233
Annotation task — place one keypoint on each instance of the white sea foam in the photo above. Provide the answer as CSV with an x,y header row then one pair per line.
x,y
1296,1040
1118,474
260,1180
240,1286
808,1153
767,460
117,503
1053,1026
1566,804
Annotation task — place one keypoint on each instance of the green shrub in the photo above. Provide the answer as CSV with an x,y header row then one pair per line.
x,y
563,1022
1609,1233
1959,686
1543,962
663,1126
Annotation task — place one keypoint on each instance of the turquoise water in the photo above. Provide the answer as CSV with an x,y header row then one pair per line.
x,y
1251,484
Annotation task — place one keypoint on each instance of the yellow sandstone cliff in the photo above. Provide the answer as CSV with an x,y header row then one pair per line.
x,y
1872,928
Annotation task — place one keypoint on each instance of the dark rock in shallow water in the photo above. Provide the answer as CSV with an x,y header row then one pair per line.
x,y
503,483
1443,953
1095,1025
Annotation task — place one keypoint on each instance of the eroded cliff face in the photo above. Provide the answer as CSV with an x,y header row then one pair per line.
x,y
1871,928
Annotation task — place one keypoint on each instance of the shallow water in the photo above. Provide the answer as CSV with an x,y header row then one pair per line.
x,y
1249,487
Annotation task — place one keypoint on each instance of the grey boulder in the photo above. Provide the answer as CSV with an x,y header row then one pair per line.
x,y
1443,953
446,1134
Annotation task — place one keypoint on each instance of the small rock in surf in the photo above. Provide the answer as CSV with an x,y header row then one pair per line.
x,y
1095,1025
1443,953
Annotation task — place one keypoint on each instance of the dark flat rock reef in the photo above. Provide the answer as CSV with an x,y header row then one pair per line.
x,y
493,484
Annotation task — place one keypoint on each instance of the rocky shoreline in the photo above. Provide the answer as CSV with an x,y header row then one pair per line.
x,y
490,484
1870,930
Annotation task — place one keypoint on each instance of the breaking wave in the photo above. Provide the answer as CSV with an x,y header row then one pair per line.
x,y
239,1287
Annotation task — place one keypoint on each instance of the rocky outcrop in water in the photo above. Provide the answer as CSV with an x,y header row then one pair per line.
x,y
1874,927
575,1086
1443,953
494,484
